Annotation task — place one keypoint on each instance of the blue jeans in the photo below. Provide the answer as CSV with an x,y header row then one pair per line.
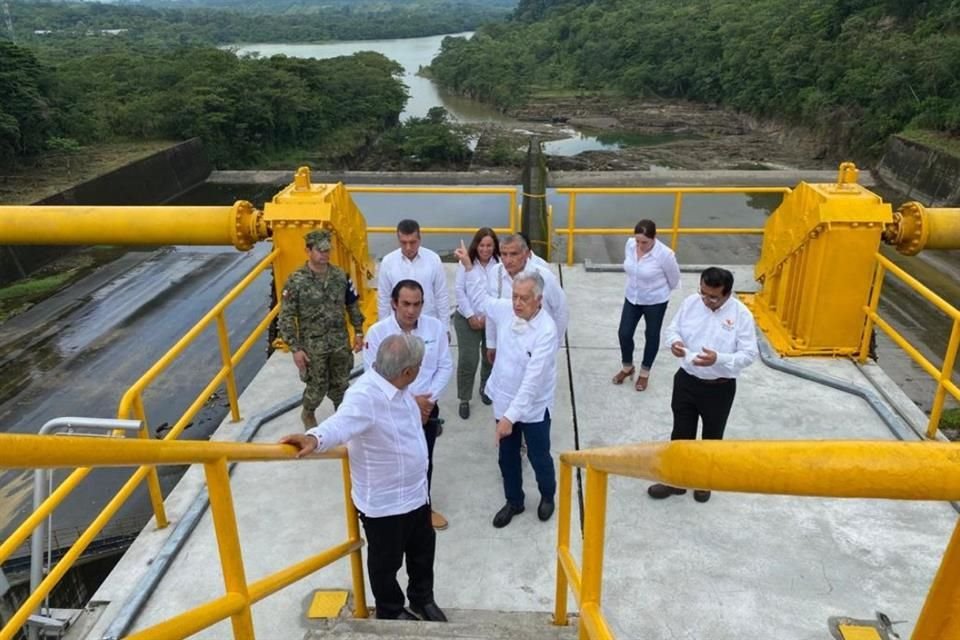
x,y
629,318
537,435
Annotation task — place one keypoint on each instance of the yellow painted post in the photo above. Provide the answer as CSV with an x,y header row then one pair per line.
x,y
946,373
571,223
225,358
356,557
563,541
514,212
940,616
677,209
594,526
549,232
153,478
228,541
870,311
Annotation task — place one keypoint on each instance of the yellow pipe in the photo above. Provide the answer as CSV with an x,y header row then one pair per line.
x,y
571,573
469,230
21,451
940,616
871,311
946,373
594,526
193,621
285,577
919,287
238,225
613,191
439,190
571,225
353,533
841,469
623,231
227,361
944,229
677,210
596,626
901,342
228,543
563,543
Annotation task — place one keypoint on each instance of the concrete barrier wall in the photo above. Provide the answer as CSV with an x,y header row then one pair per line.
x,y
922,173
152,180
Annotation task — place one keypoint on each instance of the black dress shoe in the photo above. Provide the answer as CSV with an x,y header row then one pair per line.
x,y
545,510
464,410
701,496
484,398
429,612
403,614
505,515
660,491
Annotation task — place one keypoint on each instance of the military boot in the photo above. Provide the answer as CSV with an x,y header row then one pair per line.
x,y
308,419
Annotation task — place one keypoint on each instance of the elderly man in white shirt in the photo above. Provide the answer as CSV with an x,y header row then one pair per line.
x,y
523,384
379,421
514,259
715,335
414,262
406,300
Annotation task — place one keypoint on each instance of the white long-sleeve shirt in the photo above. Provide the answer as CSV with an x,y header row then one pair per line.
x,y
426,269
437,366
463,301
730,331
652,277
523,382
381,427
500,285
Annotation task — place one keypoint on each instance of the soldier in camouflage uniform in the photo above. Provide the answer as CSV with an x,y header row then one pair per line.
x,y
312,324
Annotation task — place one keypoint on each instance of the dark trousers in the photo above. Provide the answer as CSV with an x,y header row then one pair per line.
x,y
389,540
696,399
629,319
430,429
537,435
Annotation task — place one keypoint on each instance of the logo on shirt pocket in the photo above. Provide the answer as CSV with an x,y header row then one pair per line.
x,y
728,324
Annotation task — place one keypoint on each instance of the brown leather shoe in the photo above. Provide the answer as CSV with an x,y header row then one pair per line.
x,y
623,375
438,521
308,419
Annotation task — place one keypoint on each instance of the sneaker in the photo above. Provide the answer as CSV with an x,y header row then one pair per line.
x,y
701,496
464,410
661,491
545,510
438,521
308,419
505,515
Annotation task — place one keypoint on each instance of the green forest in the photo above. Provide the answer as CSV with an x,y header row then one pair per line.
x,y
68,82
855,71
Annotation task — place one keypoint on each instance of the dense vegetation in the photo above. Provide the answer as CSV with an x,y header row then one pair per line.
x,y
857,70
45,23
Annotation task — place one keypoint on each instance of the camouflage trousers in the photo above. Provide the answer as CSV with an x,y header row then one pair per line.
x,y
327,374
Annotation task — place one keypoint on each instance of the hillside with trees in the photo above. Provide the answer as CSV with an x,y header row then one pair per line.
x,y
855,71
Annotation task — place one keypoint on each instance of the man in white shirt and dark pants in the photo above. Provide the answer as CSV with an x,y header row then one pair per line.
x,y
523,384
406,300
414,262
715,335
379,421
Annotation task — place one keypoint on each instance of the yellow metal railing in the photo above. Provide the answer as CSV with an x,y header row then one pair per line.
x,y
855,469
944,375
33,452
571,231
510,192
132,405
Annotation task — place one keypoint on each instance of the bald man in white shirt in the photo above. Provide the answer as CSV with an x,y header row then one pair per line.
x,y
379,421
715,337
522,385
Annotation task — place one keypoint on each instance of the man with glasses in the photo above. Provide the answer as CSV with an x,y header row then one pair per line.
x,y
714,335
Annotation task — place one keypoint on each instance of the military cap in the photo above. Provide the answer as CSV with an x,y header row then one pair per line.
x,y
318,239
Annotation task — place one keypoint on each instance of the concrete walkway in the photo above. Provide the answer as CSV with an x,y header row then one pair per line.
x,y
739,566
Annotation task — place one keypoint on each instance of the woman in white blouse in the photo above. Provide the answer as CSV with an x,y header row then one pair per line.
x,y
652,273
484,252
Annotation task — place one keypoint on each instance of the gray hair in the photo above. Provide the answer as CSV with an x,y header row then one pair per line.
x,y
530,275
398,352
514,238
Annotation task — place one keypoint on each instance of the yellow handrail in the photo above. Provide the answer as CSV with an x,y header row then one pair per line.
x,y
674,231
132,404
944,375
857,469
33,452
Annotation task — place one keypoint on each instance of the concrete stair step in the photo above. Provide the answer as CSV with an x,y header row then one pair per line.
x,y
464,624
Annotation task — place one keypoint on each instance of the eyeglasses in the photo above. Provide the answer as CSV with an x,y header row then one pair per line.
x,y
713,299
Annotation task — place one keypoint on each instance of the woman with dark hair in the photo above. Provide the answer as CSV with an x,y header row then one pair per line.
x,y
484,252
652,273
